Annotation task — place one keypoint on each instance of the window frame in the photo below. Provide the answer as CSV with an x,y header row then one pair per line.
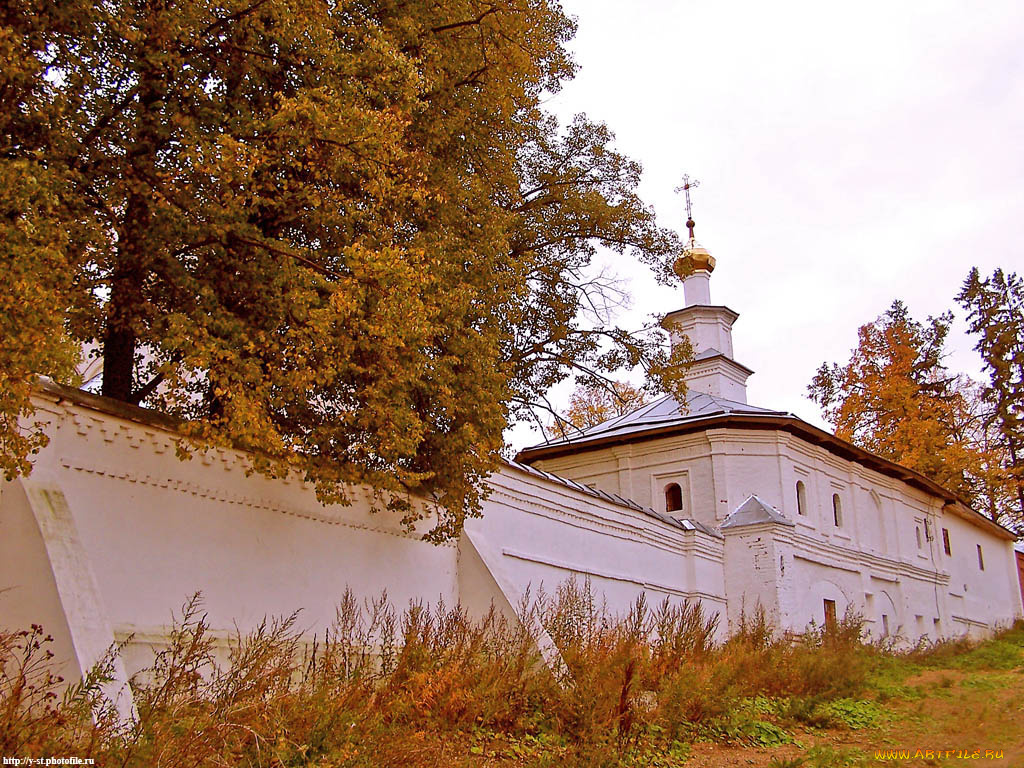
x,y
678,498
837,510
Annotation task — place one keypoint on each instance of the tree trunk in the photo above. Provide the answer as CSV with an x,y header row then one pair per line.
x,y
119,344
126,304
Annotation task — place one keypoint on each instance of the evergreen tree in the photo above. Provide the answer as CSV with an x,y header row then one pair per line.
x,y
995,308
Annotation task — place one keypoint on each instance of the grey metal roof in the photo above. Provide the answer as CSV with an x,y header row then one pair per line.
x,y
752,511
676,522
660,413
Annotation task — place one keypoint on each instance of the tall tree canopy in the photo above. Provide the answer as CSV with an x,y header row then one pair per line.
x,y
995,308
896,399
341,234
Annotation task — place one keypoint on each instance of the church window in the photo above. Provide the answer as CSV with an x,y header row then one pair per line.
x,y
981,559
837,510
917,531
885,625
673,498
830,614
801,497
945,542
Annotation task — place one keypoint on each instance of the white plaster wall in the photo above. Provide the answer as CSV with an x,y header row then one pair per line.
x,y
540,533
813,583
112,533
720,378
28,589
707,327
753,578
872,559
154,530
641,471
977,597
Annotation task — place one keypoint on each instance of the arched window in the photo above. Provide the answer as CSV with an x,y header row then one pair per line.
x,y
801,497
837,510
673,497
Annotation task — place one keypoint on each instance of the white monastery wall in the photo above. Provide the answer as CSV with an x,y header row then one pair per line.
x,y
112,533
975,593
124,533
537,533
754,586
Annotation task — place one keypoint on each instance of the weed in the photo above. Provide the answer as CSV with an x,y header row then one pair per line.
x,y
429,686
853,713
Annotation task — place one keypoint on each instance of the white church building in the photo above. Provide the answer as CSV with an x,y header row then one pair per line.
x,y
736,506
811,525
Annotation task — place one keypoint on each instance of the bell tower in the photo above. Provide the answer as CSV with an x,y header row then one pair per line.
x,y
708,326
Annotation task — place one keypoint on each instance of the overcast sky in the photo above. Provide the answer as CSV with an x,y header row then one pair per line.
x,y
848,154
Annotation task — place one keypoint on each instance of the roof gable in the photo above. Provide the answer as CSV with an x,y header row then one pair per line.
x,y
754,511
663,412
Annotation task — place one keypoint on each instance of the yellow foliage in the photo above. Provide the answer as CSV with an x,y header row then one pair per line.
x,y
344,236
896,399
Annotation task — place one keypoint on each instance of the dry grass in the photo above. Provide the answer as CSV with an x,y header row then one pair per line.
x,y
428,687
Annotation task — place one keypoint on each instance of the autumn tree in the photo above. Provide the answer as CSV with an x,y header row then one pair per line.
x,y
343,235
896,399
995,308
594,403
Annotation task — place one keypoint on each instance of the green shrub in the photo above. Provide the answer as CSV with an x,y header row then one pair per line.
x,y
852,713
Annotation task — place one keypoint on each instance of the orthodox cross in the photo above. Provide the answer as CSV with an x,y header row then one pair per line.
x,y
686,186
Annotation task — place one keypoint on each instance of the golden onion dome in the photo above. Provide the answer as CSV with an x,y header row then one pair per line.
x,y
696,257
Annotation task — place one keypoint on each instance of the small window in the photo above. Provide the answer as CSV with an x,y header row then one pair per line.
x,y
945,541
981,559
885,625
837,510
673,498
917,530
801,497
830,614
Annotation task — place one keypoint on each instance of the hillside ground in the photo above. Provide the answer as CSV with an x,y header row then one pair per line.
x,y
428,687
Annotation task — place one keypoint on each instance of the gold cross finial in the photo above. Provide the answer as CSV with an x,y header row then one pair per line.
x,y
685,187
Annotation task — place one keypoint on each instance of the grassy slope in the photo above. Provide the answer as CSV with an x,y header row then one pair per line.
x,y
444,691
948,699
